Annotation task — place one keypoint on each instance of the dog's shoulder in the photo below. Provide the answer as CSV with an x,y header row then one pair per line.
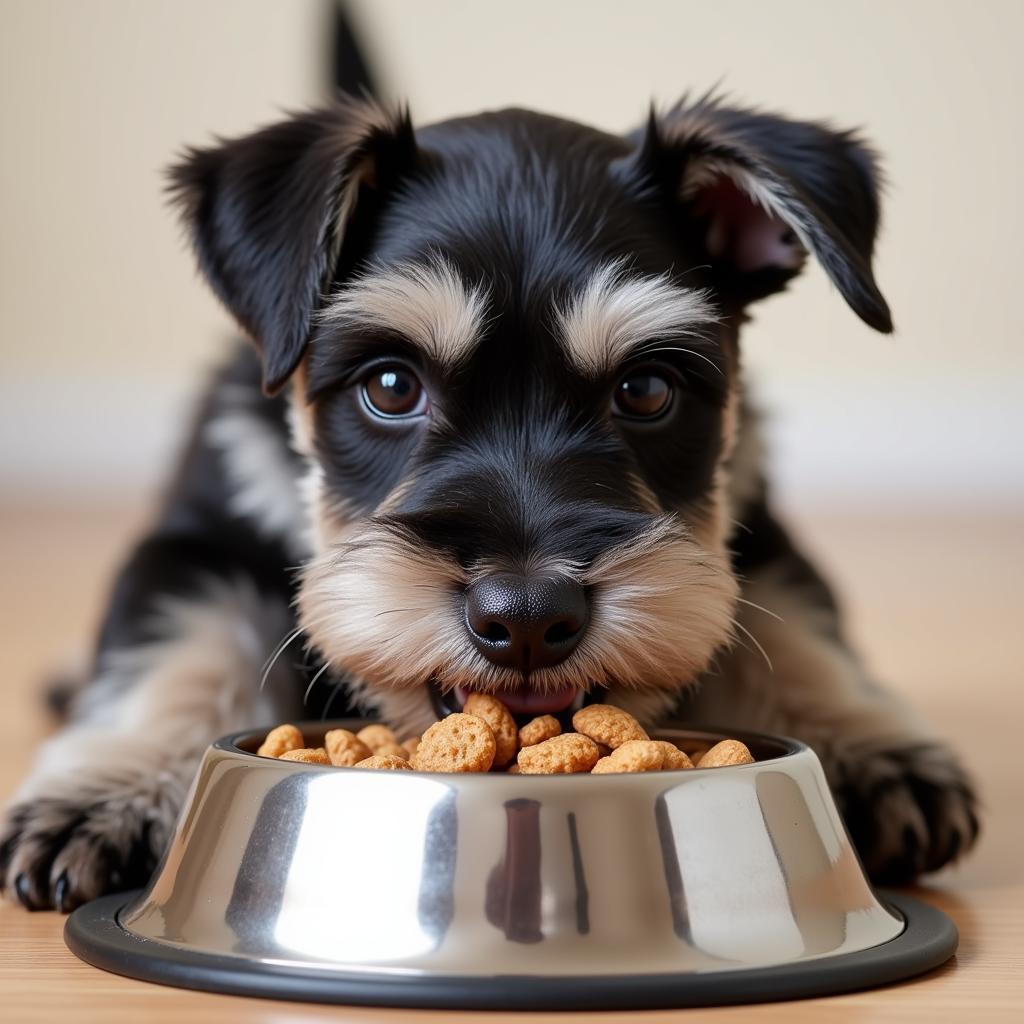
x,y
238,471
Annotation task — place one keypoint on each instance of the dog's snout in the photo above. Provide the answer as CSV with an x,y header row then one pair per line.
x,y
523,623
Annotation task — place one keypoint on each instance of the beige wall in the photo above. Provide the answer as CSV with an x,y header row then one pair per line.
x,y
103,326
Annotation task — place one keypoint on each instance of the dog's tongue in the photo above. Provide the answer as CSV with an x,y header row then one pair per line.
x,y
528,702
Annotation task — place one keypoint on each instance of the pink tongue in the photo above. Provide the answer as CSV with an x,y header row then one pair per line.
x,y
526,702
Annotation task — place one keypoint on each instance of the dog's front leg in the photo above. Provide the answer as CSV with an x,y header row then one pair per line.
x,y
905,797
179,665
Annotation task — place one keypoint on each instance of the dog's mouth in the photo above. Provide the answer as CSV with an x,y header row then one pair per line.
x,y
524,703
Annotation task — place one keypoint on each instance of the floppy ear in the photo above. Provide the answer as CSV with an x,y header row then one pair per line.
x,y
763,191
268,214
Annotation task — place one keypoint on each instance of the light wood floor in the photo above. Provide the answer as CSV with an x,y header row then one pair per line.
x,y
936,603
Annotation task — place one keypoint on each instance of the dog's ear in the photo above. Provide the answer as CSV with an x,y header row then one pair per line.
x,y
763,191
268,214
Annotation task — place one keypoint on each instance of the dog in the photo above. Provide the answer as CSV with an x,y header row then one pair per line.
x,y
491,435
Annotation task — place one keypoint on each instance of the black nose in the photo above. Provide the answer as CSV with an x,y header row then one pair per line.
x,y
525,623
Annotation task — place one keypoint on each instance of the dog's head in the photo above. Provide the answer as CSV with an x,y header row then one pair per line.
x,y
512,346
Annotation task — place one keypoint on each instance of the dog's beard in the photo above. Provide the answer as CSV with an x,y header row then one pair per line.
x,y
387,613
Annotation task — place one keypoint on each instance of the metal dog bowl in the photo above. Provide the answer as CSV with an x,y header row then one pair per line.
x,y
512,892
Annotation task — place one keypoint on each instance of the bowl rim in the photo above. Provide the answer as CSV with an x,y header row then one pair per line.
x,y
230,744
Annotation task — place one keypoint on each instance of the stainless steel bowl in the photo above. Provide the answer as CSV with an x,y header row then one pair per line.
x,y
666,888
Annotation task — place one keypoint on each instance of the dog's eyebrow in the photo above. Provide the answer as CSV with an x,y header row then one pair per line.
x,y
428,304
616,314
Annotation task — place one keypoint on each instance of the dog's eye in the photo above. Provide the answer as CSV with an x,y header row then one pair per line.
x,y
642,395
394,391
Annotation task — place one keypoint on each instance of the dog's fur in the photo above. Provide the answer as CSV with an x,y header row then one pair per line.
x,y
521,265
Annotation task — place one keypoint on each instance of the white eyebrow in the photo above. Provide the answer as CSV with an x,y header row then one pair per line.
x,y
614,314
429,304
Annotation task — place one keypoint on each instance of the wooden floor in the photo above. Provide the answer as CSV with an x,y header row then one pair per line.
x,y
935,601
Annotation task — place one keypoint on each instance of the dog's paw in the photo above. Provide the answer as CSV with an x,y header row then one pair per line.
x,y
909,810
79,839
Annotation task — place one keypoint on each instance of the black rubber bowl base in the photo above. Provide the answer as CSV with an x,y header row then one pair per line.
x,y
94,934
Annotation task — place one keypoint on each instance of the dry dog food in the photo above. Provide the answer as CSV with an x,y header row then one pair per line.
x,y
377,736
280,740
390,762
345,748
609,725
458,743
725,753
560,755
484,737
503,725
643,756
308,755
538,730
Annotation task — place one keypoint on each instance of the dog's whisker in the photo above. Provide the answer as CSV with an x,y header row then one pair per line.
x,y
760,608
268,665
309,689
754,641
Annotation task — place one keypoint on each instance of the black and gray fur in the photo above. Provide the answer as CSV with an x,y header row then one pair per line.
x,y
534,254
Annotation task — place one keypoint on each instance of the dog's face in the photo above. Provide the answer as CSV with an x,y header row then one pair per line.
x,y
512,345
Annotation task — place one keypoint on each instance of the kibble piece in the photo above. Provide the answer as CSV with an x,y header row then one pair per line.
x,y
376,736
514,769
386,761
281,740
345,748
538,730
725,753
632,756
411,743
675,759
458,743
393,750
609,725
503,725
307,755
560,755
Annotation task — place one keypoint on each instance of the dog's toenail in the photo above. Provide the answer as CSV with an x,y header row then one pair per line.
x,y
61,893
23,890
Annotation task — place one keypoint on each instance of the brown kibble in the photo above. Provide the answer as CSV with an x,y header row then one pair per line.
x,y
499,718
280,741
345,748
609,725
376,736
386,761
538,730
675,759
393,750
609,740
633,756
726,753
560,755
458,743
307,755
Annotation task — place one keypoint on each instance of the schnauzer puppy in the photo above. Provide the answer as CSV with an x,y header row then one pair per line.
x,y
492,435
